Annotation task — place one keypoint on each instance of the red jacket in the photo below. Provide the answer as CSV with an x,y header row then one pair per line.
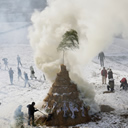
x,y
104,73
123,80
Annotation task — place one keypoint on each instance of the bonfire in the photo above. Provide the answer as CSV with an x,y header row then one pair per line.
x,y
63,103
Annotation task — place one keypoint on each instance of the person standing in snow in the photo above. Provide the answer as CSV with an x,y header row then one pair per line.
x,y
11,75
19,117
32,73
5,63
19,73
111,85
124,84
110,74
104,75
26,79
31,111
18,60
101,56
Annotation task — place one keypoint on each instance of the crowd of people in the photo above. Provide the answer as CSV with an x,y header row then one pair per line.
x,y
31,109
19,72
104,74
18,114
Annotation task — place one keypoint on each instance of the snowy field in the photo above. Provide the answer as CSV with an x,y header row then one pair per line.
x,y
11,96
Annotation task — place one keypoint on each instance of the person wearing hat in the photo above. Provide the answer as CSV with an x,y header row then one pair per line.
x,y
31,111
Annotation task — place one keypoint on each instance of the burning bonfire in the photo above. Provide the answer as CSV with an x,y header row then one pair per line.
x,y
63,105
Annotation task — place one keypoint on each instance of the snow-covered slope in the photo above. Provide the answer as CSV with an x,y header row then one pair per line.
x,y
17,11
14,32
11,96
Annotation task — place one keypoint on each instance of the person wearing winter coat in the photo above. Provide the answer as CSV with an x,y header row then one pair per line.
x,y
110,74
19,60
19,73
5,63
32,73
101,56
124,84
31,111
111,85
26,79
11,75
104,75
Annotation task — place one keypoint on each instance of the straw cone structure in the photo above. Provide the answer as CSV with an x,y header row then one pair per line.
x,y
63,100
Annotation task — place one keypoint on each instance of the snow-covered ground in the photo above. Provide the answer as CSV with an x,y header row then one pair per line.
x,y
11,96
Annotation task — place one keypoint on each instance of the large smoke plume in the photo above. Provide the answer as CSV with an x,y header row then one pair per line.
x,y
96,21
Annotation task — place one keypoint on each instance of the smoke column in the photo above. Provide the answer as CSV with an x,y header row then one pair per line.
x,y
96,21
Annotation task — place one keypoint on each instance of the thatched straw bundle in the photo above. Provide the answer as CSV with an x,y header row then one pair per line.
x,y
64,103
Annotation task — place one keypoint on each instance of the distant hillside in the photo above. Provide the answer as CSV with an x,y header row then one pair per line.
x,y
19,10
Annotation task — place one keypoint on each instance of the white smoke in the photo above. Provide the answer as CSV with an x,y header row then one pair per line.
x,y
96,21
18,120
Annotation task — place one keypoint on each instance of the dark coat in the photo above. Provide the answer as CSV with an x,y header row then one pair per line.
x,y
110,74
101,56
31,109
32,72
111,83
